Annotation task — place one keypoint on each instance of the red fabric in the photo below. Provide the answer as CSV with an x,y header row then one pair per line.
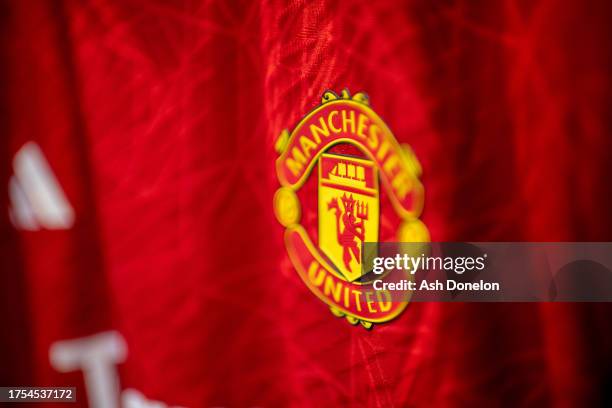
x,y
159,120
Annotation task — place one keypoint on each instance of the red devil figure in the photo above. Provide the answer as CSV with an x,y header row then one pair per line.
x,y
352,228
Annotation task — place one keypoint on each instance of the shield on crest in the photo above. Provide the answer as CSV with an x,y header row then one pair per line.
x,y
348,210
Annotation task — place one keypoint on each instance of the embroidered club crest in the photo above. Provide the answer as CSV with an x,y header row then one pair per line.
x,y
354,152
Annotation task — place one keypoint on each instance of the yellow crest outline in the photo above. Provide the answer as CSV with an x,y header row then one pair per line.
x,y
287,207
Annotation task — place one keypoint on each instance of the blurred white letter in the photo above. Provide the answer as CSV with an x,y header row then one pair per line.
x,y
97,356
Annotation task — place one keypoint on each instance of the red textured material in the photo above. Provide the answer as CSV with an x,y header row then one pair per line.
x,y
159,120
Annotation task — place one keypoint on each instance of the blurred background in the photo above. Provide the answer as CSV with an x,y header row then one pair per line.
x,y
140,259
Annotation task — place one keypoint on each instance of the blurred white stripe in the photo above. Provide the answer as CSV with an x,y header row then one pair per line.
x,y
36,195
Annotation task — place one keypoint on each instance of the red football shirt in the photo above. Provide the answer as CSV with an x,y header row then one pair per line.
x,y
157,122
